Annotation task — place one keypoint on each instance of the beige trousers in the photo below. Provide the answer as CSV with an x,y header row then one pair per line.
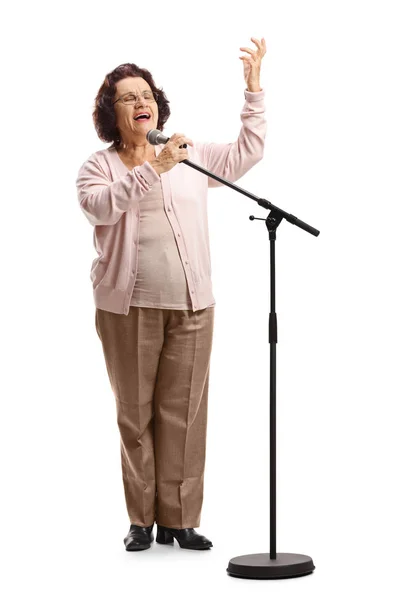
x,y
158,364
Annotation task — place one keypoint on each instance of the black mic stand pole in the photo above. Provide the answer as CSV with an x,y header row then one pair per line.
x,y
270,565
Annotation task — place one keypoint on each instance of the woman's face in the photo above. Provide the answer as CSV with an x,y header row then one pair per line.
x,y
131,131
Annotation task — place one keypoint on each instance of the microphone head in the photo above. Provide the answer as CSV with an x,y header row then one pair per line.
x,y
151,136
155,137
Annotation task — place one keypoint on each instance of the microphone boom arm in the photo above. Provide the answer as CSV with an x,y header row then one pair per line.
x,y
261,201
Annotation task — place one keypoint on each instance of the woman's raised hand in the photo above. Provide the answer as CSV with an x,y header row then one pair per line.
x,y
252,64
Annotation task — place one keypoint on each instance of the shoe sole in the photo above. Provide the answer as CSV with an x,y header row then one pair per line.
x,y
194,548
186,547
171,543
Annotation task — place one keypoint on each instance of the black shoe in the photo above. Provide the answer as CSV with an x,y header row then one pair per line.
x,y
187,538
139,538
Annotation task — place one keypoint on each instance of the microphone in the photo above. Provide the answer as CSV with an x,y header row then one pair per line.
x,y
155,137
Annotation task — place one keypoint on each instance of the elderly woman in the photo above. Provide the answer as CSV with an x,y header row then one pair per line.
x,y
152,290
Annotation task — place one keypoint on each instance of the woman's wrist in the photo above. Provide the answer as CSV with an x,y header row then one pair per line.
x,y
155,163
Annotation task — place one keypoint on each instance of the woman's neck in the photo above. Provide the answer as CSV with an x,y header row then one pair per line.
x,y
136,152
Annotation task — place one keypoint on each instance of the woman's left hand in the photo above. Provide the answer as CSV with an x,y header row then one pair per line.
x,y
252,64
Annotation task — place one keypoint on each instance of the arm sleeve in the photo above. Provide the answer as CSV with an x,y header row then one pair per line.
x,y
231,161
103,201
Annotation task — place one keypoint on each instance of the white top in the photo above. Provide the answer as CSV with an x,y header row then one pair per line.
x,y
161,280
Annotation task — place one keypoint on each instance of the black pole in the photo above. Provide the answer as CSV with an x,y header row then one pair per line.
x,y
273,339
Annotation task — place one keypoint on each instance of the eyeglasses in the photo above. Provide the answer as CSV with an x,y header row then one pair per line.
x,y
131,98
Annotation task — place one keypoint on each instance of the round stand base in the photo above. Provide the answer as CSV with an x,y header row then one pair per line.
x,y
261,566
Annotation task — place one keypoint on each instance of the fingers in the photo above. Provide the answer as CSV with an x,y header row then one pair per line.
x,y
261,47
179,138
247,50
249,59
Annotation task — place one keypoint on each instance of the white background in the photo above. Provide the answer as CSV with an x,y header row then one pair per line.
x,y
332,159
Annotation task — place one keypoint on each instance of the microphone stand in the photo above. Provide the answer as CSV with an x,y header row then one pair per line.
x,y
268,565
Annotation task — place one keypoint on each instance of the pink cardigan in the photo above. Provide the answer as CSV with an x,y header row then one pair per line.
x,y
109,195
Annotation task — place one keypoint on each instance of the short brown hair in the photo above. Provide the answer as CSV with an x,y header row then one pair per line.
x,y
104,114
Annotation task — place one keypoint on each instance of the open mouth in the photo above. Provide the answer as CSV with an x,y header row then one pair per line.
x,y
142,117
